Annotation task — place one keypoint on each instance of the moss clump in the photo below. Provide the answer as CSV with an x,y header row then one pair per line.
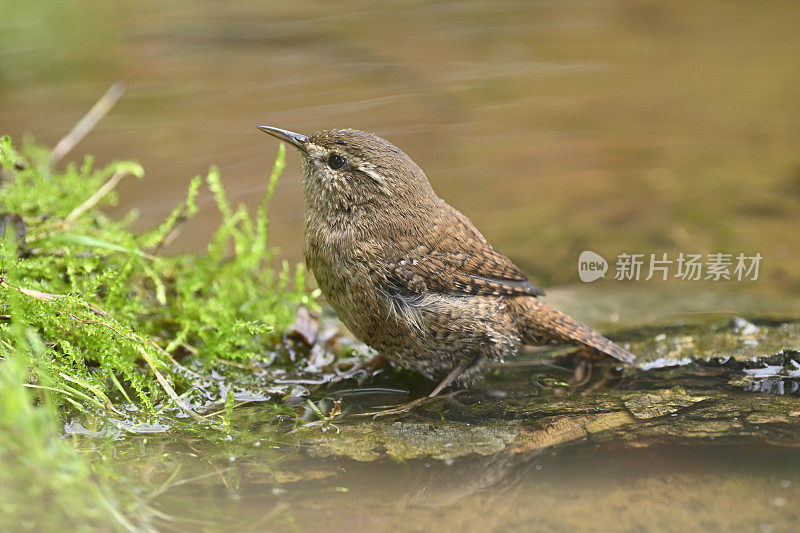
x,y
94,321
112,313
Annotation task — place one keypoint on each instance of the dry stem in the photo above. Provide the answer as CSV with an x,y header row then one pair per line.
x,y
87,123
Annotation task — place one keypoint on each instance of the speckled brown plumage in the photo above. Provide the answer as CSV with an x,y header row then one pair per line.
x,y
408,274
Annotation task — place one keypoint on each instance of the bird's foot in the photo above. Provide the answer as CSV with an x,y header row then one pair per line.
x,y
406,408
586,378
582,374
433,396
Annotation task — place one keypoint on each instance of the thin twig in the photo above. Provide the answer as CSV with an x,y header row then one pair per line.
x,y
87,123
215,413
96,197
96,323
46,297
168,388
118,516
39,295
201,476
167,240
234,364
166,485
174,362
158,514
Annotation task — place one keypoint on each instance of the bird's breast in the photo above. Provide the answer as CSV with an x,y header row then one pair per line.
x,y
345,272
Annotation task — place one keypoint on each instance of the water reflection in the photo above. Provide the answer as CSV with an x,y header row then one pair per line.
x,y
588,486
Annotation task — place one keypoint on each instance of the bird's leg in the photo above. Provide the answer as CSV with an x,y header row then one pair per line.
x,y
433,396
449,378
587,360
582,373
602,382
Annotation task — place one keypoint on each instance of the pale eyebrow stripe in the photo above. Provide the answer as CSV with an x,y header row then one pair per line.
x,y
368,169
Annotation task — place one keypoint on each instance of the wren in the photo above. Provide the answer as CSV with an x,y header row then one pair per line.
x,y
409,275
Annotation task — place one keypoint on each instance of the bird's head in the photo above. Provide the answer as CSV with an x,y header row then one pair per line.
x,y
354,171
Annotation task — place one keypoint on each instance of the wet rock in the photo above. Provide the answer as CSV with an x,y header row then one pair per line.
x,y
740,326
739,339
306,326
411,440
646,405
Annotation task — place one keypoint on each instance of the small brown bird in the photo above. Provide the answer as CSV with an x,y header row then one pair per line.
x,y
411,276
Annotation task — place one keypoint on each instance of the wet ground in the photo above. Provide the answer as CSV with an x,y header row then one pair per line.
x,y
703,434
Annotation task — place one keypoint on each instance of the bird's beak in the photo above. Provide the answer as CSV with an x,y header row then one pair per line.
x,y
295,139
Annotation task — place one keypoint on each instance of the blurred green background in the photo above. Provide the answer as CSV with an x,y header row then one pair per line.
x,y
556,126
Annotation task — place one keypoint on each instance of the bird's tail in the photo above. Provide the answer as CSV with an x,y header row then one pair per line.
x,y
543,323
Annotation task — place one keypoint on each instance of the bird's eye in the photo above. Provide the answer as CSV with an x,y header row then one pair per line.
x,y
336,162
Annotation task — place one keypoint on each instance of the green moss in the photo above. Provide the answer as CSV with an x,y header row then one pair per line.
x,y
95,322
112,313
44,483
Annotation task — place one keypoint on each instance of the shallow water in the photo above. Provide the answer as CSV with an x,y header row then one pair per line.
x,y
585,484
570,480
682,443
586,487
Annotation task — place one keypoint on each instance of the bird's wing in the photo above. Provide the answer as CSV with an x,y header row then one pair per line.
x,y
461,263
